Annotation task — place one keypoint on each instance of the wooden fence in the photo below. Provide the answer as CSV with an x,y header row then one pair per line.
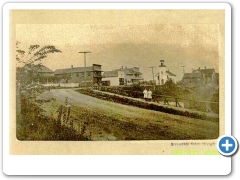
x,y
64,119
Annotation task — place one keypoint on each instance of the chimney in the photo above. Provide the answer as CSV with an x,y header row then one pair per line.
x,y
199,68
205,67
71,66
122,67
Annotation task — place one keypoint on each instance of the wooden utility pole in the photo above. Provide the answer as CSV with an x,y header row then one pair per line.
x,y
85,52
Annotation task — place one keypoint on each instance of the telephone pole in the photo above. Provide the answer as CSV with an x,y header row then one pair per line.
x,y
153,73
85,52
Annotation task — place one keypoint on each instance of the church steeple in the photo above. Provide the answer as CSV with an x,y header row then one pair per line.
x,y
162,77
162,63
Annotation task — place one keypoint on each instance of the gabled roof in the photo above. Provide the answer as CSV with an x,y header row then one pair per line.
x,y
110,74
192,75
170,73
61,71
80,69
204,71
44,69
129,71
38,68
76,70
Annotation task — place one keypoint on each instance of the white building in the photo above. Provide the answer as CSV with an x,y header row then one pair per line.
x,y
163,74
122,76
113,78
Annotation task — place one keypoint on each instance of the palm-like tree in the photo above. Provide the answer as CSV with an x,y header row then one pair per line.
x,y
30,61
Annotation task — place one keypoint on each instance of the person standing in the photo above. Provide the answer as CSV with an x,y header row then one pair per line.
x,y
145,92
149,95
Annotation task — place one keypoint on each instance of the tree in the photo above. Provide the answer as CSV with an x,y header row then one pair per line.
x,y
30,61
170,88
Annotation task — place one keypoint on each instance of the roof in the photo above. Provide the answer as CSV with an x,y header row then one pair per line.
x,y
80,69
130,70
97,65
76,70
110,74
170,73
162,65
39,68
192,75
205,71
45,69
61,71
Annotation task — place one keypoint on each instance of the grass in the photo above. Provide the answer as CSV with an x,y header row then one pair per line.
x,y
33,125
127,101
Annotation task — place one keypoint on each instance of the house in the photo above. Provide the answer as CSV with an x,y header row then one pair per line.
x,y
122,76
46,75
113,78
132,75
163,74
40,74
200,77
209,75
192,80
77,75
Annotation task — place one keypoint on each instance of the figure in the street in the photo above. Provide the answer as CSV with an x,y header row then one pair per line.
x,y
145,93
149,95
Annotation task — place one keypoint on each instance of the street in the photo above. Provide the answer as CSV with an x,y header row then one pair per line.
x,y
106,120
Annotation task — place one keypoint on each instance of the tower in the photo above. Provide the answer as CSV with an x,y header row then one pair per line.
x,y
162,77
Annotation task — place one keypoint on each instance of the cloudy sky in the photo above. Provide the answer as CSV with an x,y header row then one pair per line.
x,y
116,45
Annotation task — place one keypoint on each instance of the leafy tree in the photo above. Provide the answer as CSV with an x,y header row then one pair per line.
x,y
30,61
170,88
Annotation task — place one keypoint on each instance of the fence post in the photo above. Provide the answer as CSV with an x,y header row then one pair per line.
x,y
66,111
165,101
71,124
59,114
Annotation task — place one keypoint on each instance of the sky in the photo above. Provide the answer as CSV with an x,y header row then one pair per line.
x,y
131,45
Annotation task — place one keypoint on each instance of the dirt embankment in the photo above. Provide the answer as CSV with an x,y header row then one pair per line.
x,y
107,120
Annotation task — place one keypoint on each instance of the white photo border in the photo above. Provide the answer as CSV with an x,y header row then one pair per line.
x,y
114,164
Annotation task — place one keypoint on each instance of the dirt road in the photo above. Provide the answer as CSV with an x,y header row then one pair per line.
x,y
106,120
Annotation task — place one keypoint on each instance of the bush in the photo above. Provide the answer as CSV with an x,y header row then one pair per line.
x,y
144,105
33,125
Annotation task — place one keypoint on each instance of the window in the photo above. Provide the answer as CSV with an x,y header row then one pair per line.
x,y
121,81
77,74
89,73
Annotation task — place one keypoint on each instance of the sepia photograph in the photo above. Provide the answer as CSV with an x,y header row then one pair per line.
x,y
117,82
95,85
